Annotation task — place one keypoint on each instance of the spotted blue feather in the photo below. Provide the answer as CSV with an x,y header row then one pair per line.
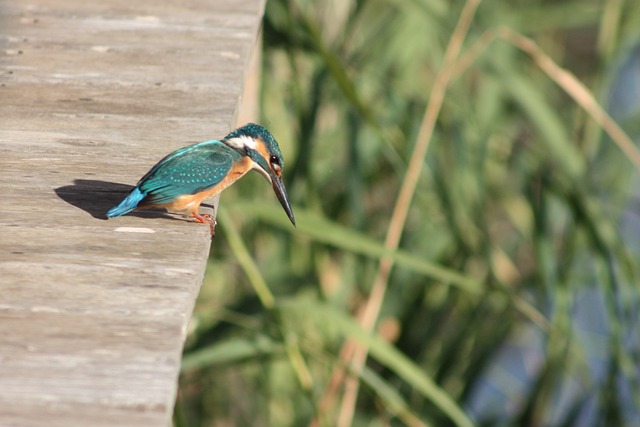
x,y
189,170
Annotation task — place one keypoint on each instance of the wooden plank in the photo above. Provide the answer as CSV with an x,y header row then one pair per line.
x,y
93,313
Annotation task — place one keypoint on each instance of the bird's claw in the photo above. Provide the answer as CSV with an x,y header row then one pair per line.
x,y
207,219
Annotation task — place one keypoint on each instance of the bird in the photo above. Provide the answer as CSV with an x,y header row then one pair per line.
x,y
183,179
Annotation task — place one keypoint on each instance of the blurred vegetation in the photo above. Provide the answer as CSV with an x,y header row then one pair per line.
x,y
513,298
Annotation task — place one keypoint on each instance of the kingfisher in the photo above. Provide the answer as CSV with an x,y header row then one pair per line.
x,y
182,180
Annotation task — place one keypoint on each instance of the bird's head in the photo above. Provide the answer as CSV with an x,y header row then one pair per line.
x,y
260,146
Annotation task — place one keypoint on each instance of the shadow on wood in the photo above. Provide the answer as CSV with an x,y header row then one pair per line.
x,y
97,197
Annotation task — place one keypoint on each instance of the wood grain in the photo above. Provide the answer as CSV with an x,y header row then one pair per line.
x,y
93,313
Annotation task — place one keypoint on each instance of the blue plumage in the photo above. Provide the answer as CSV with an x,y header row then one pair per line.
x,y
188,170
129,204
186,177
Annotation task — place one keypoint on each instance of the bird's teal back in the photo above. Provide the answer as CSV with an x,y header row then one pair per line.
x,y
188,170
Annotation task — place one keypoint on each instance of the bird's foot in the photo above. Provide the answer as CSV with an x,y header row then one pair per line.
x,y
207,219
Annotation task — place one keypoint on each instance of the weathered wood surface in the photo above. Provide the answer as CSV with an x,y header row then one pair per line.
x,y
93,313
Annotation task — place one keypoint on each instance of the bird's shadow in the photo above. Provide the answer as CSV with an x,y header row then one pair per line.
x,y
97,197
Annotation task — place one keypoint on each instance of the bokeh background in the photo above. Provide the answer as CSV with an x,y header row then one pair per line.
x,y
512,298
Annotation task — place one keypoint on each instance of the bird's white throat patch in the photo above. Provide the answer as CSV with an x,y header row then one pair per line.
x,y
242,142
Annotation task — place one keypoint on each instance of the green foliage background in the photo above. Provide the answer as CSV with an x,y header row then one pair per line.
x,y
516,215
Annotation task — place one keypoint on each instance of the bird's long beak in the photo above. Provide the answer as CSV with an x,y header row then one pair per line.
x,y
281,193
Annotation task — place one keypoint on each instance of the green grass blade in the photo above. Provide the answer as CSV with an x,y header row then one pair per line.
x,y
328,232
234,350
384,353
554,134
245,260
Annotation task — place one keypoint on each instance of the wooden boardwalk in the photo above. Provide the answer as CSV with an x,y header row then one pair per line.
x,y
93,313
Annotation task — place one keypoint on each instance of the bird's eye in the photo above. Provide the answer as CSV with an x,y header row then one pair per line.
x,y
274,160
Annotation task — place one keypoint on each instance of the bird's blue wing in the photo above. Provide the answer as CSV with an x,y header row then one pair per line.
x,y
188,170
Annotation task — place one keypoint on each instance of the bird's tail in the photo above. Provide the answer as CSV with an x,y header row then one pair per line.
x,y
129,204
